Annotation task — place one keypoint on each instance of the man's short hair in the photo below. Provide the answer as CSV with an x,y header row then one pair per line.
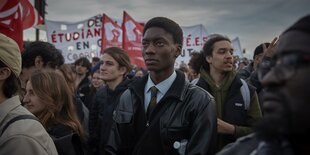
x,y
302,25
95,59
51,56
260,49
194,62
300,31
168,25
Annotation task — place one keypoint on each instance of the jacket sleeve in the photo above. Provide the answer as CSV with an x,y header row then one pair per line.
x,y
114,141
93,126
253,115
204,126
122,117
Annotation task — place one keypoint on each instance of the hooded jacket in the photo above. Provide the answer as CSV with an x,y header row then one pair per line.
x,y
230,105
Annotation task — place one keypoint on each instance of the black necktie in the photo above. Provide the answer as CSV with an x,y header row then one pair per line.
x,y
153,101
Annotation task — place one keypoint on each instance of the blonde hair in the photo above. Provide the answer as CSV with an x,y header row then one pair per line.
x,y
54,92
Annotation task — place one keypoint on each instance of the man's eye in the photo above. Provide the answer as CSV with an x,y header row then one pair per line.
x,y
145,43
159,44
109,63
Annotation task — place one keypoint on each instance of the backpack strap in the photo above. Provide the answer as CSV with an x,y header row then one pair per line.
x,y
17,118
245,92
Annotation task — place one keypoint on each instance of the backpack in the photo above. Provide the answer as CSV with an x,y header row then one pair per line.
x,y
66,145
245,92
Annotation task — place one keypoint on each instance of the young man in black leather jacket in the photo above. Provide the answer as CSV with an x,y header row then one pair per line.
x,y
183,120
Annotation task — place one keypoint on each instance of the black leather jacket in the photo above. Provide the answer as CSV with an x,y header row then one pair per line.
x,y
183,122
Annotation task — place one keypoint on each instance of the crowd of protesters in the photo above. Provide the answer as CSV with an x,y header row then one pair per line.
x,y
216,104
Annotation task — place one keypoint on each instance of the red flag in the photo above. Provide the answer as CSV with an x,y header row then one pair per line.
x,y
30,15
15,16
112,33
132,40
10,21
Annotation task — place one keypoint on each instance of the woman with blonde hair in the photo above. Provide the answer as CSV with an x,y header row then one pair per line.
x,y
49,98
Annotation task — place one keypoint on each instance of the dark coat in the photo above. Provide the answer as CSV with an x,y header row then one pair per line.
x,y
100,118
184,121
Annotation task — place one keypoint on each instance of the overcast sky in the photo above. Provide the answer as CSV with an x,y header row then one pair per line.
x,y
253,21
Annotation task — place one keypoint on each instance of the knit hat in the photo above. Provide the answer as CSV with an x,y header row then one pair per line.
x,y
10,54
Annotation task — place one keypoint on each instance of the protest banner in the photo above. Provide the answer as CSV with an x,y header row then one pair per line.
x,y
193,39
75,40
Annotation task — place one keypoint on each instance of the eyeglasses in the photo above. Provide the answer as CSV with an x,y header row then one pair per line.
x,y
284,66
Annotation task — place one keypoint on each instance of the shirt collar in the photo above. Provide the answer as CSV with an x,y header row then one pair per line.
x,y
162,86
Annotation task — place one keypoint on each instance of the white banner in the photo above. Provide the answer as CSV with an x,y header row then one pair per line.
x,y
75,40
194,38
83,39
237,47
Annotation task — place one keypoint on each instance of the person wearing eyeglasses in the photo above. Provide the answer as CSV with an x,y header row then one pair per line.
x,y
285,127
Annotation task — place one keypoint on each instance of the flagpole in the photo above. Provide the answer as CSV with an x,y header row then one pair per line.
x,y
37,34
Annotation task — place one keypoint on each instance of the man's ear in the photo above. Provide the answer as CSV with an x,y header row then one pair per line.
x,y
209,59
123,70
38,62
5,72
178,50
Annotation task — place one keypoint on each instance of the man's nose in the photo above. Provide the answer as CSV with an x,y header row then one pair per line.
x,y
150,49
270,79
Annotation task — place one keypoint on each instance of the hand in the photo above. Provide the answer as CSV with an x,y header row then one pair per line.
x,y
269,51
224,127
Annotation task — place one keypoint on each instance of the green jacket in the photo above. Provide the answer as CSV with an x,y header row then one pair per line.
x,y
225,106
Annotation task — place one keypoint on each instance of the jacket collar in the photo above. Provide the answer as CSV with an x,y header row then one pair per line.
x,y
175,91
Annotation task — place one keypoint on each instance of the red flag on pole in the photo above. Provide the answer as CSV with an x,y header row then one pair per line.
x,y
132,39
30,15
112,33
10,21
15,16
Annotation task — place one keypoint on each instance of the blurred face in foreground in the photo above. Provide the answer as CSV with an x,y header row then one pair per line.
x,y
286,100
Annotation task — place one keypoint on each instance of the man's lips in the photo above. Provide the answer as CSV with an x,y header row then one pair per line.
x,y
228,63
28,105
151,61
